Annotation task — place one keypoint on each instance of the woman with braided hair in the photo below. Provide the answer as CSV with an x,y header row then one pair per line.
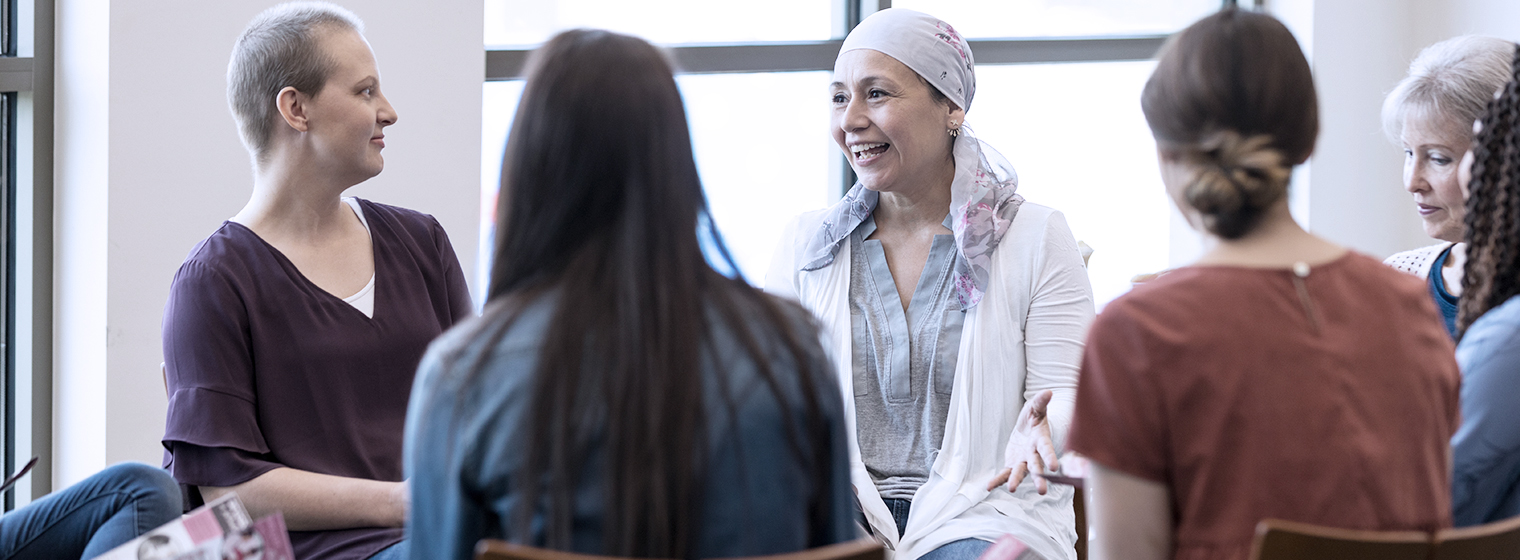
x,y
1209,395
1486,449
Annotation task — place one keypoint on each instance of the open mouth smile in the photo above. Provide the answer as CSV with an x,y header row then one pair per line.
x,y
866,152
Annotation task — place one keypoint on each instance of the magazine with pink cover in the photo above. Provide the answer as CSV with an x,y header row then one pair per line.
x,y
1009,548
220,530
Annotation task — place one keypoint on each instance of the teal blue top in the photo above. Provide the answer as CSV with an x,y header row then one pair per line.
x,y
1445,302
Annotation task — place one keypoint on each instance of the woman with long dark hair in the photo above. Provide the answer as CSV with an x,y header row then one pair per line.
x,y
1486,448
619,396
1279,376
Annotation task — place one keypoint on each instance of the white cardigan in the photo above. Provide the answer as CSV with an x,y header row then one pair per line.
x,y
1024,337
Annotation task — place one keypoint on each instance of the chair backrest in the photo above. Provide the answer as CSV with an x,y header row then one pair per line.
x,y
1288,540
1500,539
863,549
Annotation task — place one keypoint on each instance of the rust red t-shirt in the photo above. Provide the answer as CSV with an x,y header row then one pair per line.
x,y
1217,382
266,369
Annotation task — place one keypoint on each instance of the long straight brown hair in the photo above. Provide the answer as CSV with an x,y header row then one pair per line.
x,y
601,206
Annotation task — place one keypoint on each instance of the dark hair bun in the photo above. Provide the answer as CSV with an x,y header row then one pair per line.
x,y
1237,179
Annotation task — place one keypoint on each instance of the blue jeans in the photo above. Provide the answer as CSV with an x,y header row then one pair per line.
x,y
91,518
393,552
964,549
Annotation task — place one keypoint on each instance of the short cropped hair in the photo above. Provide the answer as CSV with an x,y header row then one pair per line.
x,y
1452,81
280,48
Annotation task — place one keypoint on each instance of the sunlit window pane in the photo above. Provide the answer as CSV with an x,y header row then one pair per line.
x,y
524,22
761,144
1080,143
1054,18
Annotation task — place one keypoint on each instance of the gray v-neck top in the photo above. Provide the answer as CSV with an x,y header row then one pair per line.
x,y
903,362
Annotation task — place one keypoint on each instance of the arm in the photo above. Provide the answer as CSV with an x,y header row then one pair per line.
x,y
318,502
212,430
1488,436
1060,310
1128,517
459,302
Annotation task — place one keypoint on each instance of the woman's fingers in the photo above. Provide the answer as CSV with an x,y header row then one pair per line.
x,y
1039,475
1019,471
1041,401
998,480
1047,449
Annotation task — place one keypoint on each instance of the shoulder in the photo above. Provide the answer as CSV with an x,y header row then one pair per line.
x,y
1368,268
807,222
1039,227
417,232
1497,329
411,221
1416,261
232,251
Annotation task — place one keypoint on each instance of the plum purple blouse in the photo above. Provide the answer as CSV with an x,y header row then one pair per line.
x,y
267,370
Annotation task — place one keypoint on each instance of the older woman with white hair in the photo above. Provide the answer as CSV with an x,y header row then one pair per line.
x,y
1430,114
955,310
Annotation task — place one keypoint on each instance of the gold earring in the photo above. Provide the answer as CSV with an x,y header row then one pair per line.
x,y
955,128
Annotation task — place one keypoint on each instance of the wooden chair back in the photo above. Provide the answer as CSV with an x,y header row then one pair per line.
x,y
1500,539
1288,540
863,549
1079,504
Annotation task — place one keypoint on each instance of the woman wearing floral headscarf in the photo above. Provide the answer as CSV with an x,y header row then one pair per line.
x,y
940,331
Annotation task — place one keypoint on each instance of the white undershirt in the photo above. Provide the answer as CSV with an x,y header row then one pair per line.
x,y
364,301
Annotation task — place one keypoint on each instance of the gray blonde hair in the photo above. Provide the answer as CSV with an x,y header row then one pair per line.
x,y
1452,80
280,48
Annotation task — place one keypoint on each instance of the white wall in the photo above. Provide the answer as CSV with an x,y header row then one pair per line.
x,y
149,163
1361,49
1442,19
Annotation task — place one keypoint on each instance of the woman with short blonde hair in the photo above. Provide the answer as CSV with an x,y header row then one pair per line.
x,y
292,332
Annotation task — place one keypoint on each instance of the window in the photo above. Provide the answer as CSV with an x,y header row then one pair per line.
x,y
1058,94
26,229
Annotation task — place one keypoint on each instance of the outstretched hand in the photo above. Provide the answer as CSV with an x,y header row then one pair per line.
x,y
1030,447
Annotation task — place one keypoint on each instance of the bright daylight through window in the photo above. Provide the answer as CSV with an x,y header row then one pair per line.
x,y
1058,94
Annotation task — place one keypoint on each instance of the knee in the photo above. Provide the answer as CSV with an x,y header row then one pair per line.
x,y
151,487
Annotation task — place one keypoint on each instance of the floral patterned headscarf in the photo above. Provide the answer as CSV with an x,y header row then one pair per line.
x,y
983,194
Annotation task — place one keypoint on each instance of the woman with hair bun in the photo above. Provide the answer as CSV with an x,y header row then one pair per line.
x,y
1486,449
1280,376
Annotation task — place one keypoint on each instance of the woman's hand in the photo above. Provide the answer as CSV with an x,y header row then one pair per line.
x,y
1030,447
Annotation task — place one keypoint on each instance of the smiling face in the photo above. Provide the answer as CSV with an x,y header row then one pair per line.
x,y
890,126
347,118
1433,150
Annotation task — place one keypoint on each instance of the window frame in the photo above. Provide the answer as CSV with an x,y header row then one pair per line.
x,y
504,63
26,245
